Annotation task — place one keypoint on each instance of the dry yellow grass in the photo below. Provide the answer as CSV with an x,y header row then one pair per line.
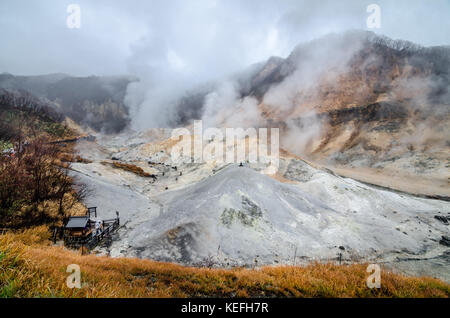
x,y
30,267
129,167
70,157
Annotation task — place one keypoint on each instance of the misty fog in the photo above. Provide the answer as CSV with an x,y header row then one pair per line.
x,y
173,47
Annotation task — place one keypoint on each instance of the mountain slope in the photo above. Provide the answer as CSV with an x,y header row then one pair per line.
x,y
97,102
361,104
240,216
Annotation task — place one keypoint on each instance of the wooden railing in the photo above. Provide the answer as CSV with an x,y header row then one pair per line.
x,y
92,239
109,226
4,230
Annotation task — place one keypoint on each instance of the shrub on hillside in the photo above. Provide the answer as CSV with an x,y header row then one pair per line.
x,y
30,176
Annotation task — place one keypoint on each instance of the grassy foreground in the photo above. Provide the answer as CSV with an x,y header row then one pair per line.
x,y
30,267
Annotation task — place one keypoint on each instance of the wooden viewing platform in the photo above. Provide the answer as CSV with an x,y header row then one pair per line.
x,y
83,231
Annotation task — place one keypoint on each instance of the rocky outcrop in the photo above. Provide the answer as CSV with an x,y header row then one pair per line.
x,y
442,218
445,241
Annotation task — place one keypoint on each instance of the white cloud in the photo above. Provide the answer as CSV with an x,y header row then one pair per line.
x,y
211,36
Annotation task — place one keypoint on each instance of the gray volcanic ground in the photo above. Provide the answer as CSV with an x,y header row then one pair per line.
x,y
228,215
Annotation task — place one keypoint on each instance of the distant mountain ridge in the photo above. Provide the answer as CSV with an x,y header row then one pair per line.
x,y
97,102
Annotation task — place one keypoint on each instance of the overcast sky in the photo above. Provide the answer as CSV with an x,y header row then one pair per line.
x,y
198,38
